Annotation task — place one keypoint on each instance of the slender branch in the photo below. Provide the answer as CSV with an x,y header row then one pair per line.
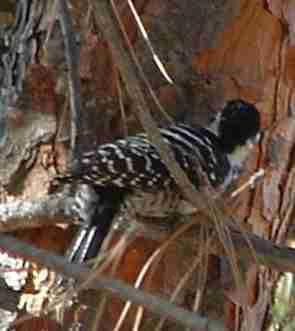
x,y
72,58
58,208
21,214
115,287
268,254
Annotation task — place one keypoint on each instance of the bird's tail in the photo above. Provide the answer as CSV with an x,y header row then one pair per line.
x,y
87,243
89,238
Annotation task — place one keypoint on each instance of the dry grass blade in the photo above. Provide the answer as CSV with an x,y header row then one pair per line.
x,y
204,257
139,67
122,108
137,284
148,42
103,300
195,263
115,251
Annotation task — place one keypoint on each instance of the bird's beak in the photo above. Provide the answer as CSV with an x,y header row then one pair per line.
x,y
254,141
258,137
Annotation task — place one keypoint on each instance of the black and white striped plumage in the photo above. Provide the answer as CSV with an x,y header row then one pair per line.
x,y
130,171
134,163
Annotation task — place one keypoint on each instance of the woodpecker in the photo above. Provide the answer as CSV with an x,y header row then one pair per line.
x,y
130,174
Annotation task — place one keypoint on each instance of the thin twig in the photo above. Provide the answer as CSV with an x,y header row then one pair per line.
x,y
16,215
137,284
57,208
141,73
121,245
142,29
103,300
122,107
116,287
179,287
250,183
72,58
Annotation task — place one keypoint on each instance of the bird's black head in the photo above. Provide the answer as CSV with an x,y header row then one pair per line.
x,y
239,125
